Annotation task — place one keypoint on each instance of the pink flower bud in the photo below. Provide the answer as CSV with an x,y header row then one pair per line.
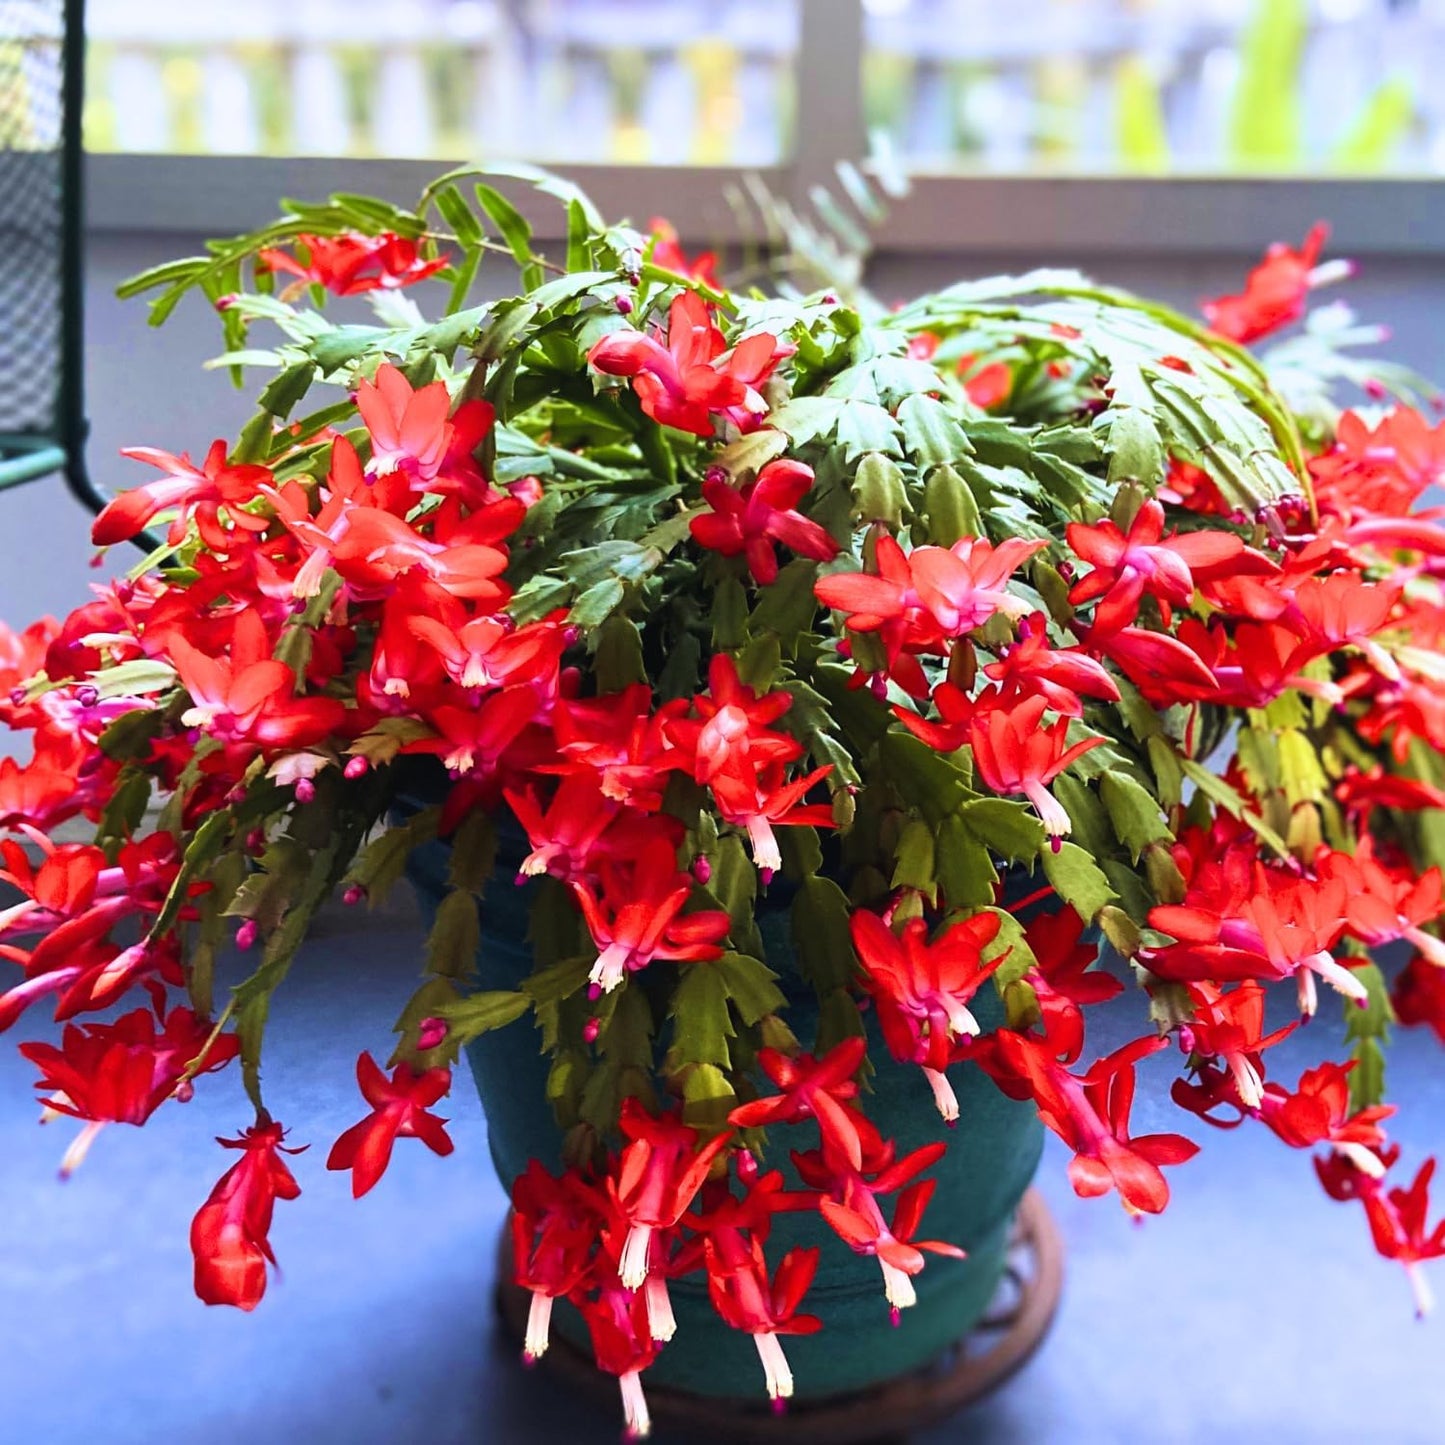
x,y
431,1032
716,474
305,790
701,868
623,305
355,768
590,1030
224,303
87,695
354,894
246,934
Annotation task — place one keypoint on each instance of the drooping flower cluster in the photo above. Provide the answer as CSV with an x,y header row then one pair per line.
x,y
677,604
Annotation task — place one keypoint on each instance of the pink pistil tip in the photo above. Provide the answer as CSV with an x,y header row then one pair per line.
x,y
305,790
766,874
529,1360
354,895
780,1405
1362,1003
895,1316
951,1123
594,991
355,768
1056,843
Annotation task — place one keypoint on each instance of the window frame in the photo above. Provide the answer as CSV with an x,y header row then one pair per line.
x,y
1080,215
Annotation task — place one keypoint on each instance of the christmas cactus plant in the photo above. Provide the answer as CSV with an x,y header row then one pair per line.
x,y
672,598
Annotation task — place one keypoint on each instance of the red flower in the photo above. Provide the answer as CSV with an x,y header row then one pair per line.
x,y
1065,979
229,1232
1229,1027
1126,566
250,696
749,520
1318,1112
820,1089
1014,754
667,252
1419,995
681,384
964,585
922,990
767,800
475,739
741,1294
555,1225
1091,1115
622,1345
660,1171
636,916
351,263
621,741
122,1072
1061,676
201,492
411,430
859,1222
399,1111
1274,293
731,733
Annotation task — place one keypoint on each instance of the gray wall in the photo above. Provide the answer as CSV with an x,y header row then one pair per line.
x,y
146,386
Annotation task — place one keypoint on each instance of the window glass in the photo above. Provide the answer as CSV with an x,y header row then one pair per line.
x,y
622,81
1182,86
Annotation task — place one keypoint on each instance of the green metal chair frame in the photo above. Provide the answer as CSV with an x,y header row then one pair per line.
x,y
56,444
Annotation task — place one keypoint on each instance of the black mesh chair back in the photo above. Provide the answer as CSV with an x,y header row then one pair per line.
x,y
42,408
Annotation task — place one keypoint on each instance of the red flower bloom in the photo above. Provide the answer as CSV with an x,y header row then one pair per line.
x,y
1419,995
555,1225
1229,1027
1014,754
1061,676
229,1233
399,1111
667,252
1318,1112
200,492
747,521
636,916
1126,566
681,384
922,989
351,263
1091,1115
820,1089
731,733
964,585
1274,293
767,800
1065,979
660,1171
742,1295
121,1072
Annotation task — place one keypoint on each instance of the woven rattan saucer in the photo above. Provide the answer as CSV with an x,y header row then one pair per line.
x,y
1016,1321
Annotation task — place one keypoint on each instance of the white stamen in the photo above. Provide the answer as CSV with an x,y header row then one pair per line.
x,y
1432,949
310,574
943,1094
961,1021
79,1147
610,968
475,672
897,1286
1309,999
661,1322
775,1366
1056,821
634,1406
1365,1160
632,1270
1424,1295
539,1322
1247,1081
766,853
1337,975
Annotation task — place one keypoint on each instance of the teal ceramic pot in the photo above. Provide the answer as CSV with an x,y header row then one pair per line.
x,y
991,1158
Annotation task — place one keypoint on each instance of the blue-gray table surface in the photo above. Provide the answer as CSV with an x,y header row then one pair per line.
x,y
1253,1308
